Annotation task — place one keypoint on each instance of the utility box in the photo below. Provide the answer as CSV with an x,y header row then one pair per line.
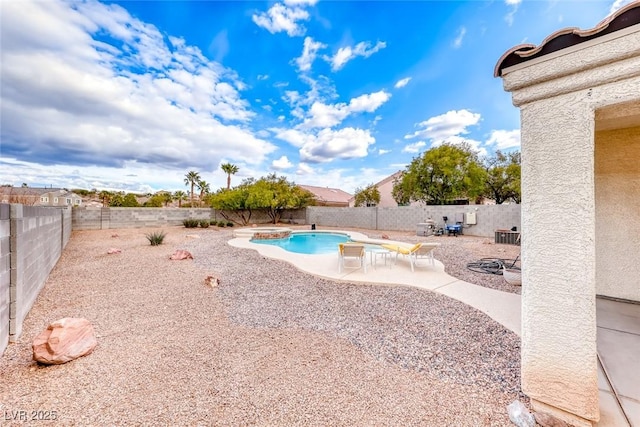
x,y
508,237
470,218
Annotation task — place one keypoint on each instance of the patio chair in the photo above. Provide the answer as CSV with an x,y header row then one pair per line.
x,y
353,251
418,251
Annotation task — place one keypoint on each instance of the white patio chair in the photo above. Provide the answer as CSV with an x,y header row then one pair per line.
x,y
354,251
416,252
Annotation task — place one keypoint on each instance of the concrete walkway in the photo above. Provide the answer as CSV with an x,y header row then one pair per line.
x,y
504,307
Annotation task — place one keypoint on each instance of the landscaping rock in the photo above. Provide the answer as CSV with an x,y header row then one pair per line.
x,y
520,415
181,254
64,340
546,420
212,281
114,251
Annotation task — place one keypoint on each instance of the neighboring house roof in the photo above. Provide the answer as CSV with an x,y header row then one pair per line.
x,y
328,195
625,17
378,184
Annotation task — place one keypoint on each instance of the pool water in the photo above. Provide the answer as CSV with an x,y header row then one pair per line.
x,y
308,243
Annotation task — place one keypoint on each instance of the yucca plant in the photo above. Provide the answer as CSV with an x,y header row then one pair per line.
x,y
156,238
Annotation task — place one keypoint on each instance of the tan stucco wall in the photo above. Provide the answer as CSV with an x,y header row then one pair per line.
x,y
558,96
617,166
386,199
558,256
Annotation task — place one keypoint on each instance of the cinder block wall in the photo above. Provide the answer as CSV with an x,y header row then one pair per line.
x,y
106,218
38,236
5,274
489,218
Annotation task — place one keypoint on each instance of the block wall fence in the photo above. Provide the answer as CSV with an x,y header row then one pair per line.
x,y
489,218
33,238
31,242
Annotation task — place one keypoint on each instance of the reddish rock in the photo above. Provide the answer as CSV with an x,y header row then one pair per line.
x,y
385,236
64,340
548,420
115,235
114,251
212,281
181,254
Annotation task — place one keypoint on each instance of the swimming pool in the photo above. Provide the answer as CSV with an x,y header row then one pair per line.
x,y
308,242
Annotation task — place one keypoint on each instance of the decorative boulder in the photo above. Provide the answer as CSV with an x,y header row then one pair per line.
x,y
64,340
114,251
181,254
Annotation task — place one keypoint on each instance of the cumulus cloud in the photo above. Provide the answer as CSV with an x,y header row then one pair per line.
x,y
309,52
504,139
402,82
617,4
416,147
325,116
328,144
458,40
382,151
142,97
347,53
452,123
300,2
281,18
281,164
304,169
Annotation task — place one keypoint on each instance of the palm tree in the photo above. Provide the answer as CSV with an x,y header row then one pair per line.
x,y
204,188
179,196
191,178
229,169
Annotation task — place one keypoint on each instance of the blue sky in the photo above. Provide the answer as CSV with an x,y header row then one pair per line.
x,y
132,95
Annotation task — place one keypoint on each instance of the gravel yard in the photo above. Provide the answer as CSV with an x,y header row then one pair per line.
x,y
269,346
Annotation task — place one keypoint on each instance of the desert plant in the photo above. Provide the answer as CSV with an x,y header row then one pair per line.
x,y
229,224
190,223
221,223
204,223
213,222
156,238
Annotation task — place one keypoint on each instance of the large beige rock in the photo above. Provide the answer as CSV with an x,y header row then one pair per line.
x,y
64,340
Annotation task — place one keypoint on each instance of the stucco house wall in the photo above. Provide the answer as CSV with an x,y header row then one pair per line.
x,y
617,183
563,162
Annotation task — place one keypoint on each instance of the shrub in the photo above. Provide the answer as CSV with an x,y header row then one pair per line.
x,y
221,223
204,223
213,222
229,224
156,238
190,223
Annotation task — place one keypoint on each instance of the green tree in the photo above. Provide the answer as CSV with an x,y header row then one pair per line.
x,y
191,178
271,194
441,175
275,194
503,177
130,201
229,169
155,201
368,196
232,204
179,196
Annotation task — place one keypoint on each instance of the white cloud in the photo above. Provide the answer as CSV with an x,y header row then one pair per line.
x,y
300,2
282,18
459,140
416,147
347,143
145,98
304,169
309,52
402,82
281,164
504,139
263,76
325,116
513,5
458,41
617,4
382,151
347,53
450,124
